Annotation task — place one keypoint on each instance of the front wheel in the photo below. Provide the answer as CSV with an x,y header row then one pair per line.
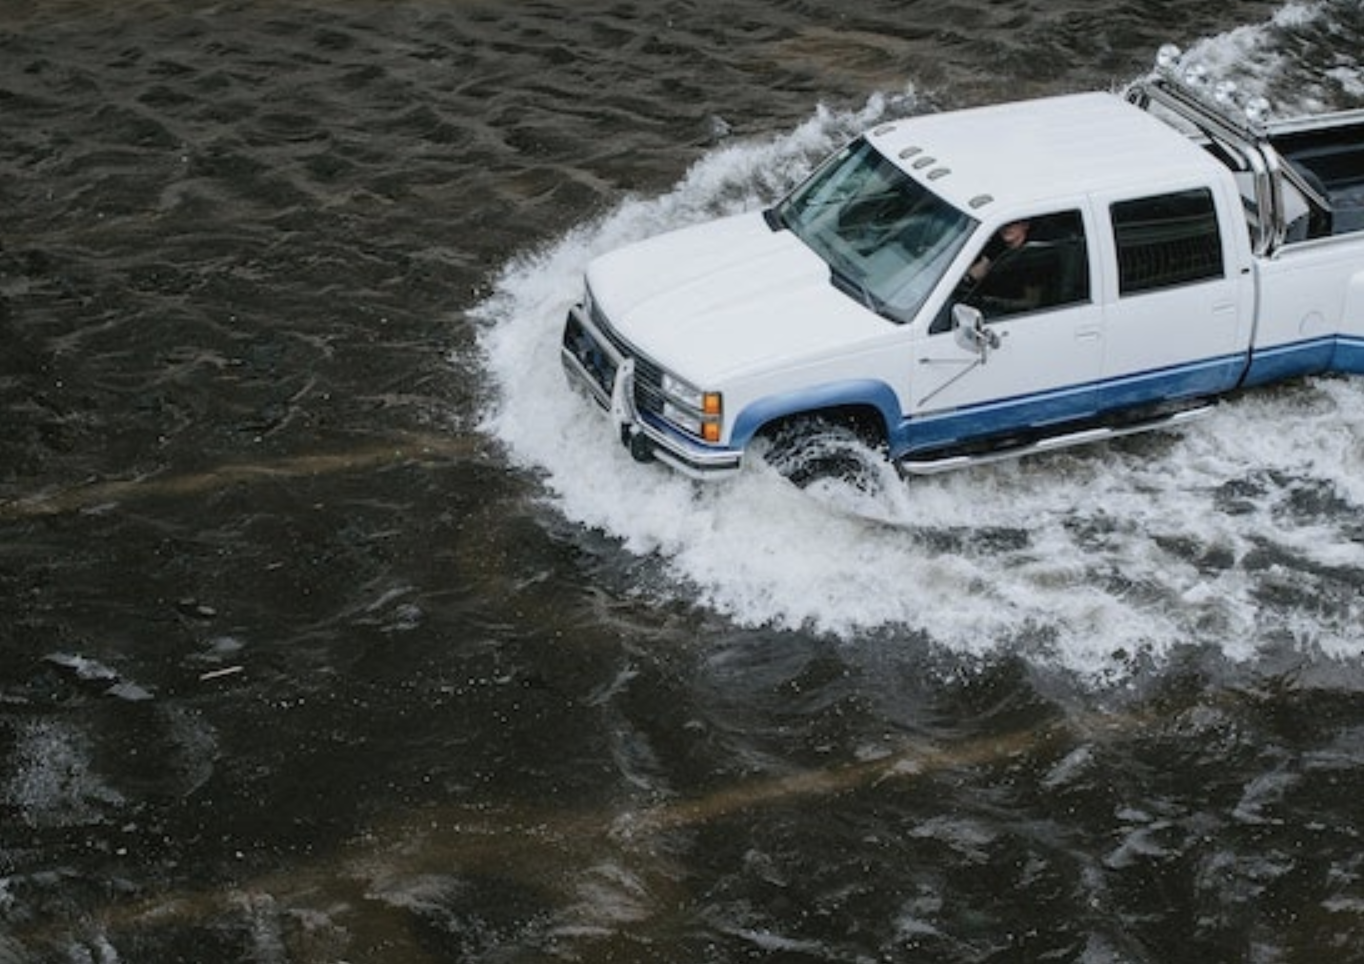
x,y
809,449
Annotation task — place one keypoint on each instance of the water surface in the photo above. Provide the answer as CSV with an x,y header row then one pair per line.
x,y
334,628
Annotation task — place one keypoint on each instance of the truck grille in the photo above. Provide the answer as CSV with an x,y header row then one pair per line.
x,y
648,376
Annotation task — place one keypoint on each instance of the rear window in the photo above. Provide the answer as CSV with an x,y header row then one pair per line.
x,y
1167,240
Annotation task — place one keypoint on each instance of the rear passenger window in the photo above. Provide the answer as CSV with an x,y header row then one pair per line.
x,y
1166,241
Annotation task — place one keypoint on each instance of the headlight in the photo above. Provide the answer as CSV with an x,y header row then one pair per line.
x,y
683,392
691,409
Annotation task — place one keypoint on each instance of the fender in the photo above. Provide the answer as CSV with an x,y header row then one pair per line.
x,y
1349,354
863,393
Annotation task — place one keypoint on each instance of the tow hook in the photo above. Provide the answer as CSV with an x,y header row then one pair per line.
x,y
641,449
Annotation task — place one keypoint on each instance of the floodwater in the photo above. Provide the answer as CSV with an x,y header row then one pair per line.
x,y
333,627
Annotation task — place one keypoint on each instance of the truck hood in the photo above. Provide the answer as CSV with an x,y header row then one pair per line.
x,y
722,298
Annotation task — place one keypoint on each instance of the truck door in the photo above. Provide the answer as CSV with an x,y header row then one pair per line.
x,y
1043,347
1180,298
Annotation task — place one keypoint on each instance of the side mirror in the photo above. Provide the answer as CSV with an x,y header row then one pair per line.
x,y
968,327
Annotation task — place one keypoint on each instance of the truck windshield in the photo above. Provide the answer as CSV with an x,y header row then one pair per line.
x,y
886,238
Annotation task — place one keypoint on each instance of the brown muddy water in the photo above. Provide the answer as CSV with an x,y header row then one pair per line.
x,y
332,627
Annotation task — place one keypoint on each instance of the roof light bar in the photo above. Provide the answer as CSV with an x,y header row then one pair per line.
x,y
1224,96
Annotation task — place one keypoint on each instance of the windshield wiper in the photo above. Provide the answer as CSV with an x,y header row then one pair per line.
x,y
846,283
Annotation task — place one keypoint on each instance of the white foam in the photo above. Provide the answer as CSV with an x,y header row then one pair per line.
x,y
1089,561
1277,58
54,783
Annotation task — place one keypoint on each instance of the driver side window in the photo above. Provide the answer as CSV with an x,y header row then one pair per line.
x,y
1037,264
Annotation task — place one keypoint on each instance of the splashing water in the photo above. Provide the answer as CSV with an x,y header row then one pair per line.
x,y
1303,59
1239,535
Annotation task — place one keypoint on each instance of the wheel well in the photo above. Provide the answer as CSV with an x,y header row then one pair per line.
x,y
864,421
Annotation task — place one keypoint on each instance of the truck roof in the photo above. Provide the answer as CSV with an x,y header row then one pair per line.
x,y
1005,156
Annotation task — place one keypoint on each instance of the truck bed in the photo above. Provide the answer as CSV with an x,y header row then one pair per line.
x,y
1331,159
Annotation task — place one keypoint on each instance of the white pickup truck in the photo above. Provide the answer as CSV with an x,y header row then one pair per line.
x,y
965,286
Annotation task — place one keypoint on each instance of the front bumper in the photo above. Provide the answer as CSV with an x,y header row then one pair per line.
x,y
605,373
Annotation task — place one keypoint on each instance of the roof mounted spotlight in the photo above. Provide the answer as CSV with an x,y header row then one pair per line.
x,y
1225,93
1257,110
1195,76
1168,57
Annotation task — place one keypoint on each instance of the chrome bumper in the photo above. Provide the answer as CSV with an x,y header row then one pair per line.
x,y
597,368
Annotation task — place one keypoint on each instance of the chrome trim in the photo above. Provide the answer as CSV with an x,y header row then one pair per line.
x,y
623,411
1254,142
1051,443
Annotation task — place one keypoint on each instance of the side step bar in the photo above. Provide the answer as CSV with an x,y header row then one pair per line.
x,y
948,463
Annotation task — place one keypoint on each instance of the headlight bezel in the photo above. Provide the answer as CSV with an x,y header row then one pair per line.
x,y
694,410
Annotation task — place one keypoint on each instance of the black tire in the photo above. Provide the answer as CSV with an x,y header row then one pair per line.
x,y
808,449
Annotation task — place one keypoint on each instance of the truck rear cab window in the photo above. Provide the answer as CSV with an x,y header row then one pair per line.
x,y
1167,240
